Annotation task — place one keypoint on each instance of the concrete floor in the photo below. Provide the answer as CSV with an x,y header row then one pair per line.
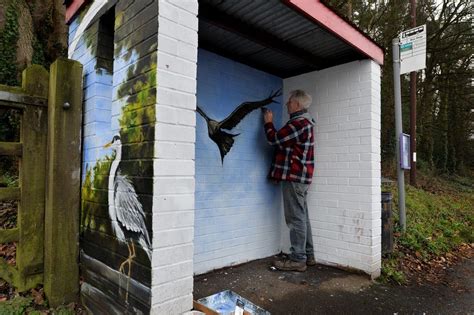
x,y
326,290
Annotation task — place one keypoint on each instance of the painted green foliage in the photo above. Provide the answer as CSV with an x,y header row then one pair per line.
x,y
136,126
140,111
94,191
136,115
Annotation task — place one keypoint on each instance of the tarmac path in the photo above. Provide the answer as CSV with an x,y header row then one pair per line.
x,y
326,290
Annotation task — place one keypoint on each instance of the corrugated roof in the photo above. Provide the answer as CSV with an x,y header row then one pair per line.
x,y
271,36
282,37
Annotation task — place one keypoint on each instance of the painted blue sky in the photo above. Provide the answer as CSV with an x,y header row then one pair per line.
x,y
234,197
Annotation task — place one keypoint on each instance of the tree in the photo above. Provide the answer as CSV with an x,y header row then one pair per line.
x,y
445,87
32,32
447,127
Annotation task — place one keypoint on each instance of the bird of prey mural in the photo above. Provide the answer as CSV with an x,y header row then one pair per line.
x,y
125,211
224,139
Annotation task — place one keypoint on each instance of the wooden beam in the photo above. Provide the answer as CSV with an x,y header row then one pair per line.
x,y
203,308
19,281
219,19
10,193
8,272
17,100
11,148
34,126
10,105
9,235
35,82
61,241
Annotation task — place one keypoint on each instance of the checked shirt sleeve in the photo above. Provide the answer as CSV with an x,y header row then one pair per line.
x,y
283,138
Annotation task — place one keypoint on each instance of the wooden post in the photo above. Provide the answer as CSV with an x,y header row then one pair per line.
x,y
33,137
61,269
35,81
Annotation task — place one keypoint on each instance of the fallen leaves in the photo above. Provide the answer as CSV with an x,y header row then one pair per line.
x,y
32,301
38,296
419,269
8,214
8,252
8,218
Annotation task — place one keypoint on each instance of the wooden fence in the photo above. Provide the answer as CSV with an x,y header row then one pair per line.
x,y
46,235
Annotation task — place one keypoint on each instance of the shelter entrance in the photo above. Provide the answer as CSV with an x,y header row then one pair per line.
x,y
247,51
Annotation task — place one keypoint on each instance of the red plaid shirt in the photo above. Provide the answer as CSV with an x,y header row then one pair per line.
x,y
293,159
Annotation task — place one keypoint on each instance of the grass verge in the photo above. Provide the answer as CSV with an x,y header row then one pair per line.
x,y
440,218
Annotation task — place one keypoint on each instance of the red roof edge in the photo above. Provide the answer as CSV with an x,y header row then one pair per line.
x,y
72,9
331,21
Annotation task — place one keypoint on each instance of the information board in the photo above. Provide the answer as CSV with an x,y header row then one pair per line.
x,y
413,49
405,151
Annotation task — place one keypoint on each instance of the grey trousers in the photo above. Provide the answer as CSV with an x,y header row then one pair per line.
x,y
297,220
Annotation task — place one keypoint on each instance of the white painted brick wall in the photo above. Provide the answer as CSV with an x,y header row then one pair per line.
x,y
174,184
344,199
234,213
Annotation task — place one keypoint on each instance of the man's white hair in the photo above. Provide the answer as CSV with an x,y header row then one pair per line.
x,y
303,98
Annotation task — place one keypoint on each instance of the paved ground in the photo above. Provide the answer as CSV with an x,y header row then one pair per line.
x,y
326,290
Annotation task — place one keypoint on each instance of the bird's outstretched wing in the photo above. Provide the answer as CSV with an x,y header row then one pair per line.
x,y
129,210
244,109
202,113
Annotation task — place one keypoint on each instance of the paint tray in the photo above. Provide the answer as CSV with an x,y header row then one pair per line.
x,y
228,303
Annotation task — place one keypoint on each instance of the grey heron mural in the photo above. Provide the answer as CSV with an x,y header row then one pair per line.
x,y
125,211
216,129
117,186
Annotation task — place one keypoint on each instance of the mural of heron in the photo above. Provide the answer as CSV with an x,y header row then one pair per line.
x,y
125,211
223,139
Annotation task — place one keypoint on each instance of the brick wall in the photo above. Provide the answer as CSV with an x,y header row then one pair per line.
x,y
97,94
344,200
173,182
119,54
201,214
237,216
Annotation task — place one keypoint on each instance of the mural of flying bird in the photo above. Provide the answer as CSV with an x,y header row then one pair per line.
x,y
223,139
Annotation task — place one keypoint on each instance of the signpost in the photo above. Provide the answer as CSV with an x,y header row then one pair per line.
x,y
409,54
413,49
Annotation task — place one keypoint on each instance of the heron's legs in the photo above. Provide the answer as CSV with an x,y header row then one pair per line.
x,y
128,261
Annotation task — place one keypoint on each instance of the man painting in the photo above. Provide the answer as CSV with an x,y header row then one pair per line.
x,y
293,165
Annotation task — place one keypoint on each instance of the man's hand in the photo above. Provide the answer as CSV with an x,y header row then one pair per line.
x,y
268,116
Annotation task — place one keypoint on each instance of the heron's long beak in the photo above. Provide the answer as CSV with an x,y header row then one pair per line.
x,y
107,145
